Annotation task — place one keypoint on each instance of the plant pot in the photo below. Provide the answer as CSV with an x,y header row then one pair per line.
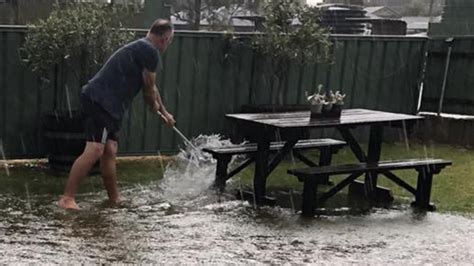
x,y
63,133
335,111
327,108
316,110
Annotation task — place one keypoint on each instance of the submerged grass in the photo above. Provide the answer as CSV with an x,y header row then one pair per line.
x,y
453,188
39,179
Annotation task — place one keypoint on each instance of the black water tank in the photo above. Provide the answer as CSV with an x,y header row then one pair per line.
x,y
342,19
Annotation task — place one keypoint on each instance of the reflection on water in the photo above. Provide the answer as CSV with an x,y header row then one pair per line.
x,y
4,159
159,224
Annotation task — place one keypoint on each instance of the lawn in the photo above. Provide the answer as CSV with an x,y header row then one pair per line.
x,y
453,188
452,191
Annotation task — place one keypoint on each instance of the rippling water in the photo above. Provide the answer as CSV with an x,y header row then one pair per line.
x,y
161,224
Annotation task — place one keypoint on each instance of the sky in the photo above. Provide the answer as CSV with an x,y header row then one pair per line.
x,y
313,2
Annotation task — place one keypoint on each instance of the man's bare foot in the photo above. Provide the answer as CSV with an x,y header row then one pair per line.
x,y
116,201
68,203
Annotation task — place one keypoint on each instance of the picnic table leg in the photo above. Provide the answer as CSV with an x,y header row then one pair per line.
x,y
373,155
221,172
309,203
325,157
261,170
423,189
368,188
352,142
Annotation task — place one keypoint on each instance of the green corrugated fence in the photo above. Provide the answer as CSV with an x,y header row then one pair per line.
x,y
457,75
204,77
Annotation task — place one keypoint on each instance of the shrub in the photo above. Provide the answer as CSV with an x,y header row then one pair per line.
x,y
83,33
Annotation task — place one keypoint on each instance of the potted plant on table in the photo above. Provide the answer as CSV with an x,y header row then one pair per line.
x,y
316,101
325,104
338,102
64,51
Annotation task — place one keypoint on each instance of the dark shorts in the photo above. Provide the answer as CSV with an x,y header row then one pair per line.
x,y
99,125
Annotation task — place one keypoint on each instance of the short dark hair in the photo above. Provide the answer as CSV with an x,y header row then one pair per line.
x,y
160,26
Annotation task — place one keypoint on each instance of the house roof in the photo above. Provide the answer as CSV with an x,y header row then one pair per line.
x,y
420,23
382,12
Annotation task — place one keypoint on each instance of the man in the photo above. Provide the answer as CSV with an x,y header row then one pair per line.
x,y
105,99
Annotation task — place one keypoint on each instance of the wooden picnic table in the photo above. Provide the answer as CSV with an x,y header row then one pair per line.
x,y
291,126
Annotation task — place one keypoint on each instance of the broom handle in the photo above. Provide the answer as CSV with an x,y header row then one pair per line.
x,y
179,133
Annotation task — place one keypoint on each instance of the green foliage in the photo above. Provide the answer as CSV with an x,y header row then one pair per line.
x,y
291,34
283,41
86,33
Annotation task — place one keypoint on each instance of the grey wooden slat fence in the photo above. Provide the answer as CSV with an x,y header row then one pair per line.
x,y
204,78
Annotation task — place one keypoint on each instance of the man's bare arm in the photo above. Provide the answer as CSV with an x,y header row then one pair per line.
x,y
150,92
152,96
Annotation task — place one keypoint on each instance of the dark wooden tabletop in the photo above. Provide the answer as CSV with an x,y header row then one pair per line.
x,y
302,119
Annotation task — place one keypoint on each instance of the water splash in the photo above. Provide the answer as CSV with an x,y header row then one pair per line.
x,y
241,189
4,158
28,198
193,171
293,208
68,101
405,135
23,146
254,198
161,159
195,64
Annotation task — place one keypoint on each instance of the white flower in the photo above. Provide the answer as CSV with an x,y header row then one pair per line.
x,y
339,98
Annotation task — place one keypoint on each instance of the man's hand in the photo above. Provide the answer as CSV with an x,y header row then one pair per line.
x,y
167,118
156,108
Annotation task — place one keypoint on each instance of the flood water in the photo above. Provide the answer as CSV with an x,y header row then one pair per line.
x,y
177,219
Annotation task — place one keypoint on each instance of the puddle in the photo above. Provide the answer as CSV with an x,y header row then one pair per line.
x,y
179,220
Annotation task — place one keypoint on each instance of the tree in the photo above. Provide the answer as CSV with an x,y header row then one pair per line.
x,y
75,39
83,34
291,34
218,13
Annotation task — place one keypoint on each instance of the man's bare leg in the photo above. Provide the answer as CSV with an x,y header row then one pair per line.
x,y
81,167
108,170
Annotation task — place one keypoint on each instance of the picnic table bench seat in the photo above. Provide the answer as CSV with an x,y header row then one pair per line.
x,y
223,155
313,176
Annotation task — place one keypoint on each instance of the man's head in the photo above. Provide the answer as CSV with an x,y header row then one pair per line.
x,y
161,34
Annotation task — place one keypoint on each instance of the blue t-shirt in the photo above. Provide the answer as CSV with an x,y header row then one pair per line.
x,y
120,79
